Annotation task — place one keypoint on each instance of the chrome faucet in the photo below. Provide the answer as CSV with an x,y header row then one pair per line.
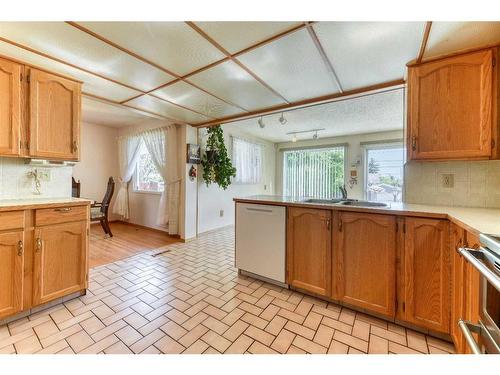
x,y
343,190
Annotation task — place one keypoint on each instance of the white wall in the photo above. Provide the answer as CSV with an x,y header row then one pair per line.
x,y
354,153
98,162
189,189
213,199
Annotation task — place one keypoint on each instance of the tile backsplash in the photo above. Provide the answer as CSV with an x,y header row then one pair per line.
x,y
476,183
15,183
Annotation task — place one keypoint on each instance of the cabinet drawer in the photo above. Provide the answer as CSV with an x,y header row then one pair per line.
x,y
11,220
58,215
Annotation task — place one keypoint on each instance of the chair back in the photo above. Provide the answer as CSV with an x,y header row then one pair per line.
x,y
75,188
107,197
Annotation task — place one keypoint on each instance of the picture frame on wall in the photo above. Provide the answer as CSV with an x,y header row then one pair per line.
x,y
193,154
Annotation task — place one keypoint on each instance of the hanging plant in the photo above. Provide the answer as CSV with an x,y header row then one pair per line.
x,y
217,166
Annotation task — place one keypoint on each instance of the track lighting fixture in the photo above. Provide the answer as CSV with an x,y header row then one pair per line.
x,y
282,119
260,121
294,139
315,136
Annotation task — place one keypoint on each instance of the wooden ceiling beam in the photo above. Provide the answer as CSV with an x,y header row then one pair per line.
x,y
425,38
368,90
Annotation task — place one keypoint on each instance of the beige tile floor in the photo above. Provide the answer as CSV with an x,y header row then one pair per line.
x,y
190,299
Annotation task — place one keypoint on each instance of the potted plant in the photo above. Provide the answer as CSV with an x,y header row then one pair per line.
x,y
217,166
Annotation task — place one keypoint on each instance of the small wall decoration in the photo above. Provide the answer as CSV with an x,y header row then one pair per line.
x,y
193,154
193,173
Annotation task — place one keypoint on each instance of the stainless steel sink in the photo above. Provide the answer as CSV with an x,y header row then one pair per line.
x,y
363,204
322,201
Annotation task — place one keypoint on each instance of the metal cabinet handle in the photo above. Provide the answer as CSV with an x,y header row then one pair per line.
x,y
62,209
20,248
472,257
414,143
328,224
467,329
38,245
75,146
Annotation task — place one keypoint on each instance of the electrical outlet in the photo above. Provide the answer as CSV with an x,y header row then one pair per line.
x,y
447,180
221,213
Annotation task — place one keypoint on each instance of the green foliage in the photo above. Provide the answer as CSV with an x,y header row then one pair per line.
x,y
217,166
390,180
373,166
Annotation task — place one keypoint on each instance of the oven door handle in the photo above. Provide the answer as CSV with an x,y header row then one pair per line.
x,y
467,329
472,257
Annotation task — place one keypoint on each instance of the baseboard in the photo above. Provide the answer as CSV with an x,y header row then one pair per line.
x,y
216,229
149,228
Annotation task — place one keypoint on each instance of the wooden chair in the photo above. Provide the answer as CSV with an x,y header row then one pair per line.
x,y
99,211
75,188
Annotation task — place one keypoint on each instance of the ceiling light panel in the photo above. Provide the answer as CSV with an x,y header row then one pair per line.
x,y
58,39
292,66
368,53
160,107
449,37
100,113
189,96
91,83
172,45
232,83
236,36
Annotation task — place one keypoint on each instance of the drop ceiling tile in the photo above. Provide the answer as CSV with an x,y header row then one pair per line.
x,y
232,83
236,36
91,84
100,113
59,39
368,53
292,66
172,45
190,97
449,37
160,107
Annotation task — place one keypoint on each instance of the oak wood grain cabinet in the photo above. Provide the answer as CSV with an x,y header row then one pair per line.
x,y
452,108
10,108
54,120
309,252
427,273
60,260
11,272
364,272
458,297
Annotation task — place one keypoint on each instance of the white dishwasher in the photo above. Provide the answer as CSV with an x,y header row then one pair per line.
x,y
261,240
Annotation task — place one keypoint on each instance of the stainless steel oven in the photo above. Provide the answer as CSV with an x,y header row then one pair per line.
x,y
487,261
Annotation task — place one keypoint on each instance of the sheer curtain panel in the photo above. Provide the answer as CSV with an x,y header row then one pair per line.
x,y
247,159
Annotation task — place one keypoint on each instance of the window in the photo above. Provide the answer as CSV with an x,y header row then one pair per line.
x,y
247,159
147,178
384,172
317,173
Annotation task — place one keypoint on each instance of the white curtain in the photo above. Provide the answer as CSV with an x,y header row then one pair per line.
x,y
128,154
160,144
247,159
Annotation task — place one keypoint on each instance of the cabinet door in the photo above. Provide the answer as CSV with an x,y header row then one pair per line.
x,y
54,116
10,108
472,283
427,273
60,261
365,261
457,287
11,273
450,108
309,249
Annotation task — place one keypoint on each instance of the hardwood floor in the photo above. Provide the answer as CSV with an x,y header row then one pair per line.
x,y
127,240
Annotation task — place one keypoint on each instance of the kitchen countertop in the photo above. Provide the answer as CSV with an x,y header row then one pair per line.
x,y
476,220
29,203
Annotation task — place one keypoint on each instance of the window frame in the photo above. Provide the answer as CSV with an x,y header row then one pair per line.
x,y
345,146
135,176
262,156
381,145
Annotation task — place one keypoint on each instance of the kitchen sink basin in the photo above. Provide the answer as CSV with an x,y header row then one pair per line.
x,y
322,201
363,204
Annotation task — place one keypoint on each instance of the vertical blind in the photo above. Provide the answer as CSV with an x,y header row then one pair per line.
x,y
317,173
247,159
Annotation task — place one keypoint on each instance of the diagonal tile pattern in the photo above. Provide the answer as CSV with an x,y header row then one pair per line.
x,y
190,299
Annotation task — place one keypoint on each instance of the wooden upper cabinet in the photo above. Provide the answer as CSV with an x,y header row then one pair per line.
x,y
450,108
60,261
457,240
10,108
364,273
309,249
54,116
11,273
427,273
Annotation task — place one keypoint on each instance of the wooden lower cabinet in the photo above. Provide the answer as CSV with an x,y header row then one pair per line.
x,y
60,260
427,273
309,250
364,271
11,272
457,240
